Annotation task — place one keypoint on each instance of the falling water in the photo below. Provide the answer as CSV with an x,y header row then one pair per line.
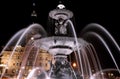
x,y
21,71
25,60
76,40
60,46
99,37
22,34
92,28
37,73
13,39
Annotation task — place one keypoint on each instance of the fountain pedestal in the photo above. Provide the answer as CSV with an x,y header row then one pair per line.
x,y
61,69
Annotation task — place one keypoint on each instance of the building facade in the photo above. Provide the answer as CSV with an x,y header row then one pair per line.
x,y
11,65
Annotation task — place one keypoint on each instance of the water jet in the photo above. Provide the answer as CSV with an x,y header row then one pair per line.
x,y
35,53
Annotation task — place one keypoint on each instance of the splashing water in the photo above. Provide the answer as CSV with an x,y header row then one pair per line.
x,y
37,73
33,53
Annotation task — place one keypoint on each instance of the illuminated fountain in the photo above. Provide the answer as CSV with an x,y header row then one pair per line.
x,y
60,53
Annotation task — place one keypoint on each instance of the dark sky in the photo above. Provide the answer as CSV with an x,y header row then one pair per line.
x,y
15,15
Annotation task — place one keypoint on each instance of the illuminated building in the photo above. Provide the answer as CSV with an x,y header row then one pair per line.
x,y
14,64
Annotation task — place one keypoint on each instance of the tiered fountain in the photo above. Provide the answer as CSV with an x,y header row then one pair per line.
x,y
65,47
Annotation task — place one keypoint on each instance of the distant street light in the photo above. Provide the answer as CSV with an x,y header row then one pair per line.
x,y
74,65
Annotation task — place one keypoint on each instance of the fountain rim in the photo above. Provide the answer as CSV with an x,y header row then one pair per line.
x,y
51,44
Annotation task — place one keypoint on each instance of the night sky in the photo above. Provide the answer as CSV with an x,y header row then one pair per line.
x,y
15,15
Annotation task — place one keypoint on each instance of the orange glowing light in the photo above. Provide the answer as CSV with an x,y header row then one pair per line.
x,y
74,64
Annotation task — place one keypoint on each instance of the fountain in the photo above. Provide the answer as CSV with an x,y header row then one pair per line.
x,y
59,53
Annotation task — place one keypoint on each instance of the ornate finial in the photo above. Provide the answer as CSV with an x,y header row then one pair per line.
x,y
60,6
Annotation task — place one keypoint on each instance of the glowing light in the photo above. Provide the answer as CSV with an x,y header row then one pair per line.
x,y
2,65
23,67
74,64
32,38
19,46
